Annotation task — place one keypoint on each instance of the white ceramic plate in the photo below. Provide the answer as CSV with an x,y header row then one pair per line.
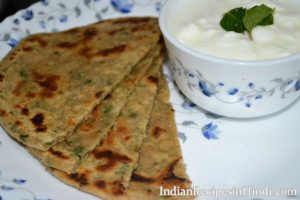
x,y
219,152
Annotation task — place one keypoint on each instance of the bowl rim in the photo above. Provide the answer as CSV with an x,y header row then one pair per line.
x,y
201,55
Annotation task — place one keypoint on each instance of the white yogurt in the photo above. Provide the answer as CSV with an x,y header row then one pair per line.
x,y
199,28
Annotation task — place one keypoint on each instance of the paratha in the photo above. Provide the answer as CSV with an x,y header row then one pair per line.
x,y
106,171
66,155
51,82
160,160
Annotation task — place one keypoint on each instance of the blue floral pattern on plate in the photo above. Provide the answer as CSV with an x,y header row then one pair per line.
x,y
49,20
210,131
124,6
16,184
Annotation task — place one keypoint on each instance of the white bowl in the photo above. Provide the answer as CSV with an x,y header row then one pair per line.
x,y
239,89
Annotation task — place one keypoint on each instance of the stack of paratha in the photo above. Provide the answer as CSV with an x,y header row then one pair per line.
x,y
92,105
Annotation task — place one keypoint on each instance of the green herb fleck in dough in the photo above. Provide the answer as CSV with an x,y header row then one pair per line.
x,y
41,104
23,137
78,150
108,82
49,143
23,74
88,82
132,114
14,128
122,170
107,109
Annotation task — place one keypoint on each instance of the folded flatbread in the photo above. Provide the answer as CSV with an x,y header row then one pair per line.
x,y
50,82
66,155
107,170
160,164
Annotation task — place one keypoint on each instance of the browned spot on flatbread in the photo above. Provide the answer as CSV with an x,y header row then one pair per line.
x,y
115,187
132,21
19,123
39,40
38,121
109,96
90,33
142,28
113,32
157,132
30,95
85,52
98,94
85,127
169,175
138,178
118,188
112,51
127,138
1,77
100,184
18,89
80,178
2,113
58,154
96,111
18,106
66,45
166,178
41,128
111,159
27,49
25,111
48,83
122,130
153,79
161,42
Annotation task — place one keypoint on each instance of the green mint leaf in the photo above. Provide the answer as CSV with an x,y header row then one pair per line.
x,y
267,21
257,15
233,20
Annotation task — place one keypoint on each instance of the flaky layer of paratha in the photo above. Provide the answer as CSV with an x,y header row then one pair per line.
x,y
51,82
106,171
66,155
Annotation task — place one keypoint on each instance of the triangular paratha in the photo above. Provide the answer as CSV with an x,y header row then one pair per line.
x,y
107,170
66,155
51,82
160,163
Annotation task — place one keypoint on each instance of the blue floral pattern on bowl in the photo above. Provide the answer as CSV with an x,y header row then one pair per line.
x,y
196,81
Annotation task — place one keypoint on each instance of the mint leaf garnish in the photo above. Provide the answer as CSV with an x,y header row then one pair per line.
x,y
257,15
241,19
233,20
